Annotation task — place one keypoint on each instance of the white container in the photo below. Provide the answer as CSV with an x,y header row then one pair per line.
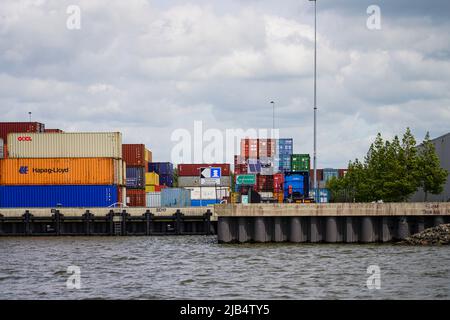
x,y
266,195
209,193
153,199
191,181
65,145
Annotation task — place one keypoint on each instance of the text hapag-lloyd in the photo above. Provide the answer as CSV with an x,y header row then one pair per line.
x,y
51,170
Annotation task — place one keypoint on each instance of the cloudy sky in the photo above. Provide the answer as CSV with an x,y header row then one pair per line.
x,y
147,68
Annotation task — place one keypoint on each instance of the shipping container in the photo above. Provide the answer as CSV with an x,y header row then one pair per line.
x,y
151,179
135,177
134,154
53,131
324,195
329,173
297,184
161,167
278,180
249,148
319,174
61,171
195,181
239,160
55,196
166,180
342,172
204,203
266,194
264,183
148,156
175,197
153,199
65,145
266,147
254,166
209,192
136,198
194,169
300,162
1,149
150,188
279,196
18,127
240,169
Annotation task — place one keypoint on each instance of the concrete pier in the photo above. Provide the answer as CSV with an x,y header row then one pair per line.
x,y
330,223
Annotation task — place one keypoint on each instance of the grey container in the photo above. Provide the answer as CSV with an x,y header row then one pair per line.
x,y
1,149
194,181
153,199
175,197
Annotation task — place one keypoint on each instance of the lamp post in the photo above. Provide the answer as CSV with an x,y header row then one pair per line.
x,y
316,196
273,116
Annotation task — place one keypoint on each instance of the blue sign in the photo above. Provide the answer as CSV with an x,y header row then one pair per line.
x,y
216,172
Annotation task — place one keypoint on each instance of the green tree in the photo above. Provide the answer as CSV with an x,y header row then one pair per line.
x,y
431,175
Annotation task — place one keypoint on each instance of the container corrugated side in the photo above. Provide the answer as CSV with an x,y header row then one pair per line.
x,y
175,197
209,192
1,148
203,203
61,171
136,198
135,177
66,145
134,154
188,181
153,199
53,196
151,179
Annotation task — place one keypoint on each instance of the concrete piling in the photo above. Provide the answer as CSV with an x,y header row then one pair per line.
x,y
315,231
279,233
387,229
260,230
367,230
351,230
243,232
298,231
403,228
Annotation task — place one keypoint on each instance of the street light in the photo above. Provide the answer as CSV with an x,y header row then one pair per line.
x,y
273,122
315,102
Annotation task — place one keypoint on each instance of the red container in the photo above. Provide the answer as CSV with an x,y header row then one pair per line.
x,y
159,188
136,198
278,180
240,169
342,172
194,169
319,174
266,147
134,155
249,148
265,183
53,131
239,160
18,127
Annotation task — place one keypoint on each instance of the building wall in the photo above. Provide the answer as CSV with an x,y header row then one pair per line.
x,y
442,145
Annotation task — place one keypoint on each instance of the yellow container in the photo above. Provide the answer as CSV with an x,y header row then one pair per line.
x,y
148,155
235,197
151,179
149,188
65,171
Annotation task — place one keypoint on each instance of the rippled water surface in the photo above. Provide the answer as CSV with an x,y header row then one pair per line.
x,y
199,268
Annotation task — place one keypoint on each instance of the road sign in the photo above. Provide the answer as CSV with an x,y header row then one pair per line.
x,y
246,179
210,176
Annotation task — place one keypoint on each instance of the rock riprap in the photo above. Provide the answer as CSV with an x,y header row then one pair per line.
x,y
439,235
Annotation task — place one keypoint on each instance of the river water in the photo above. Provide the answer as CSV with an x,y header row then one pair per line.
x,y
196,267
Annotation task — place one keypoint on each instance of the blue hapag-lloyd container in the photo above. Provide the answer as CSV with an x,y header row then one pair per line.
x,y
58,195
203,203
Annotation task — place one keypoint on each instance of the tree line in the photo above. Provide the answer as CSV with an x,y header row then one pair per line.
x,y
391,172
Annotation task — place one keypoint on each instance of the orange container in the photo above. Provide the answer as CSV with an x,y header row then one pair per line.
x,y
63,171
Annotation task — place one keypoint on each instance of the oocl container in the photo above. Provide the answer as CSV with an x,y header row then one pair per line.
x,y
65,145
53,196
61,171
12,127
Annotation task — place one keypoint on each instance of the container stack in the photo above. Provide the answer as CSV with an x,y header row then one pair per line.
x,y
283,156
62,169
164,171
136,157
205,190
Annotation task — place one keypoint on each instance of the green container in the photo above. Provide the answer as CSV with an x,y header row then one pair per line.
x,y
300,162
